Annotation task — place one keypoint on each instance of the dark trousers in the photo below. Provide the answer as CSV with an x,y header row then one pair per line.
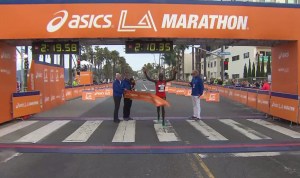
x,y
127,107
117,100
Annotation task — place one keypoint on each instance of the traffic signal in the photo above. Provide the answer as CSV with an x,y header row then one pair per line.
x,y
78,67
226,65
26,64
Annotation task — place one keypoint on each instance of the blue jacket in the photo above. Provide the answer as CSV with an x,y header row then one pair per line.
x,y
126,84
117,88
197,86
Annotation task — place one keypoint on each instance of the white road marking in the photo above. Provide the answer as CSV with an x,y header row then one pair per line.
x,y
143,90
125,132
165,134
276,128
248,132
152,90
243,155
11,157
256,154
15,127
83,133
206,130
42,132
145,87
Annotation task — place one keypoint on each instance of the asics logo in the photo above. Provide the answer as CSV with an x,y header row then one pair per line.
x,y
52,27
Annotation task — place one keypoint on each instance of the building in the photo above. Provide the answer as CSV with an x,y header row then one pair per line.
x,y
239,56
188,66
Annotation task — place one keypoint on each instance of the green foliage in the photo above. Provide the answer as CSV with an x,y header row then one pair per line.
x,y
253,70
245,71
249,70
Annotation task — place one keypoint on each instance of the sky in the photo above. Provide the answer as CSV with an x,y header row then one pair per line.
x,y
136,61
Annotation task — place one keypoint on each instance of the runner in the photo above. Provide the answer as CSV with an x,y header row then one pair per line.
x,y
160,86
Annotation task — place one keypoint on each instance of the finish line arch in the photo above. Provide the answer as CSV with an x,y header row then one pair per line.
x,y
185,22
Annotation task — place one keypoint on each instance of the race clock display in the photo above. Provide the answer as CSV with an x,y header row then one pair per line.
x,y
148,46
55,47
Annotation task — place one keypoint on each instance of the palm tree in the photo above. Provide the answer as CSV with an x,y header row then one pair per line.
x,y
179,51
115,55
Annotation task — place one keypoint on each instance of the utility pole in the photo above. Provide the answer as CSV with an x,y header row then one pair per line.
x,y
222,64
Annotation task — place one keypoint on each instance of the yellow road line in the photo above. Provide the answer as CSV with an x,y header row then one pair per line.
x,y
204,167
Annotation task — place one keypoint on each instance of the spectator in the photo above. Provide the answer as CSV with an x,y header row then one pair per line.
x,y
117,95
197,91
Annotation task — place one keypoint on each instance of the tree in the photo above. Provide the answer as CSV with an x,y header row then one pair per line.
x,y
179,52
269,66
258,66
169,59
262,69
249,69
253,70
245,71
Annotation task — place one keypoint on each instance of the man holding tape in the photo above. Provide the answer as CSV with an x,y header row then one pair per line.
x,y
197,91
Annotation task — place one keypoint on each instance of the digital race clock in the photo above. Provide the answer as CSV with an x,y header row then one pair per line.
x,y
55,47
148,46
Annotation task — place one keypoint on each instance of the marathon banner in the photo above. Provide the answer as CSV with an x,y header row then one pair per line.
x,y
147,97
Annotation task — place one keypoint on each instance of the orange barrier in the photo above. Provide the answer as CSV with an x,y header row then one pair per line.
x,y
243,96
180,91
88,95
252,98
212,96
8,80
263,101
26,103
286,107
85,78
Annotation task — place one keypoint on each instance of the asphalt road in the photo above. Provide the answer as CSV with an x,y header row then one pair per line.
x,y
79,139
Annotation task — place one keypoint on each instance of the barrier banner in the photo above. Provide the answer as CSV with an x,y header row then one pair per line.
x,y
263,101
68,93
204,95
147,97
166,88
212,96
243,96
26,103
85,78
88,95
236,95
252,98
188,92
100,93
226,92
109,92
172,90
180,91
284,107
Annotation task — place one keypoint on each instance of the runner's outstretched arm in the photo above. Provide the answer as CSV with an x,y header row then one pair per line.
x,y
148,78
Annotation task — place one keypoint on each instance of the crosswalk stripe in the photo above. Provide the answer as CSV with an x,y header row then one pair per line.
x,y
15,127
125,132
206,130
276,128
248,132
42,132
83,133
165,134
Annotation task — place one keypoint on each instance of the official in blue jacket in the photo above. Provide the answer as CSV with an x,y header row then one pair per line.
x,y
126,84
117,95
197,91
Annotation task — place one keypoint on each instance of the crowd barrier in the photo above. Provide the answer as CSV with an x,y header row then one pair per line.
x,y
276,104
281,105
